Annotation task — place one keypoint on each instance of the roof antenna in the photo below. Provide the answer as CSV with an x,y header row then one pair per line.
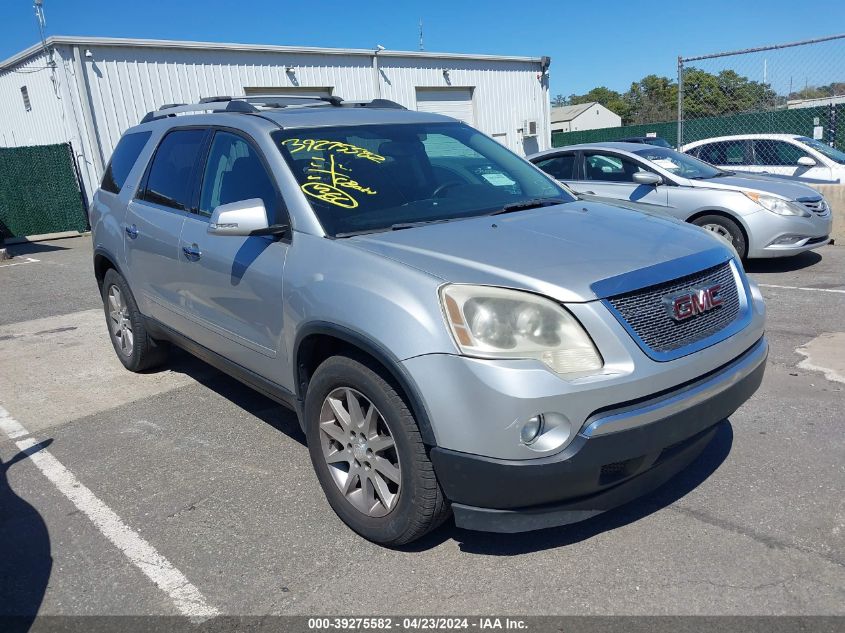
x,y
422,48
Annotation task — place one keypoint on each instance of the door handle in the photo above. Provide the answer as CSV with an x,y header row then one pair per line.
x,y
132,231
192,252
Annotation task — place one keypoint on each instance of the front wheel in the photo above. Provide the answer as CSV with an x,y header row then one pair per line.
x,y
727,229
368,454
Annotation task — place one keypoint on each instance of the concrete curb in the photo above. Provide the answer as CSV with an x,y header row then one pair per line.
x,y
63,235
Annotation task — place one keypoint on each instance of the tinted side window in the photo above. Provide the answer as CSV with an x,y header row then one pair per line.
x,y
123,159
609,168
170,179
234,172
725,153
560,167
768,152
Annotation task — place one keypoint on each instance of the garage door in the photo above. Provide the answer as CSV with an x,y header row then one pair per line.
x,y
453,102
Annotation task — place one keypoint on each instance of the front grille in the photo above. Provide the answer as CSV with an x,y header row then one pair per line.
x,y
645,311
816,205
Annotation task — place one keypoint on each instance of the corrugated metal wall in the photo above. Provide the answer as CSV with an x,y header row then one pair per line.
x,y
125,83
44,124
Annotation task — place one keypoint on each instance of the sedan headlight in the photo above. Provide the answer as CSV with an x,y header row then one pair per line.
x,y
492,322
777,205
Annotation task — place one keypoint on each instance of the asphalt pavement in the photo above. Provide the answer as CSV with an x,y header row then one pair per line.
x,y
216,480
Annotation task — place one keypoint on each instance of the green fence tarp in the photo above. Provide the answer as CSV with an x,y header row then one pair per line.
x,y
39,191
795,121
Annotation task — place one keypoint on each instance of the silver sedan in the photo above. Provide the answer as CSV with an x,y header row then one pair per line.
x,y
760,216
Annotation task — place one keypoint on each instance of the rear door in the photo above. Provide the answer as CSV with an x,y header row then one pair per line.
x,y
232,285
560,166
154,220
729,155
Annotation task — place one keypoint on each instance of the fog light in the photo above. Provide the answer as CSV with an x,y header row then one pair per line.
x,y
788,239
531,430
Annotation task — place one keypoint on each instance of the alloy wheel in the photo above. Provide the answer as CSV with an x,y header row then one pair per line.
x,y
119,323
360,452
719,230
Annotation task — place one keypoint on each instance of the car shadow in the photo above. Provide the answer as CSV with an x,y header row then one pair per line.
x,y
33,248
269,411
25,555
491,544
783,264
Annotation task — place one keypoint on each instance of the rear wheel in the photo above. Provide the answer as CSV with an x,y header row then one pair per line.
x,y
368,454
134,347
725,228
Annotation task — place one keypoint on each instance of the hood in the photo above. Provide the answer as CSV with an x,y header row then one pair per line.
x,y
761,183
558,251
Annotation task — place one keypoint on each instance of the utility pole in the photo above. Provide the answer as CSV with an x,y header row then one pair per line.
x,y
422,48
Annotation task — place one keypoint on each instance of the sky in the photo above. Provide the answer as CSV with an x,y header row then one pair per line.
x,y
610,43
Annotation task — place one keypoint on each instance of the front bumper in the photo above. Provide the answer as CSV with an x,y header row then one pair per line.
x,y
620,455
766,231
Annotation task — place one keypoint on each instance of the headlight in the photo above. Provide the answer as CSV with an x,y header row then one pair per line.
x,y
494,322
777,205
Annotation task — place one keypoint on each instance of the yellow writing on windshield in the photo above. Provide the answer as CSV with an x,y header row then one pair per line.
x,y
327,182
316,145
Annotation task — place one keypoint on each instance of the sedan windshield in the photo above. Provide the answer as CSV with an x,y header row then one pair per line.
x,y
376,177
680,164
831,152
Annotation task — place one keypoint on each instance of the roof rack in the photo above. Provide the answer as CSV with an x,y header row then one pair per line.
x,y
251,104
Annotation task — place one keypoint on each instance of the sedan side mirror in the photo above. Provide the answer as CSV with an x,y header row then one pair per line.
x,y
806,161
243,218
647,178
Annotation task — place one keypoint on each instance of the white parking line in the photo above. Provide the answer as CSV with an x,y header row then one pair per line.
x,y
26,260
187,598
842,292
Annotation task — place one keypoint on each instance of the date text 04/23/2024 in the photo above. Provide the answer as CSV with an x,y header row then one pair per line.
x,y
426,623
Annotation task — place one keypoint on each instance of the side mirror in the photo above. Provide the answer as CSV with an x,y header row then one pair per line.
x,y
243,218
647,178
806,161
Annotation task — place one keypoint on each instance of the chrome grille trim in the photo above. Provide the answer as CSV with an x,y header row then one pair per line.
x,y
643,314
816,205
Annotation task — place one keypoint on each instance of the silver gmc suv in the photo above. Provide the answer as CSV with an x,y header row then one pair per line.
x,y
456,332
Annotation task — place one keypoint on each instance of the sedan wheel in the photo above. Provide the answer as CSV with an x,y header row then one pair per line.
x,y
359,450
719,230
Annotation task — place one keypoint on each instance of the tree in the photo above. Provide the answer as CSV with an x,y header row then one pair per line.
x,y
651,99
558,101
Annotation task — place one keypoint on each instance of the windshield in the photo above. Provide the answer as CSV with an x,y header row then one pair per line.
x,y
657,141
374,177
679,164
831,152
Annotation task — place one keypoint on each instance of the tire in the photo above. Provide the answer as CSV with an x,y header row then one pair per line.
x,y
727,229
133,346
408,507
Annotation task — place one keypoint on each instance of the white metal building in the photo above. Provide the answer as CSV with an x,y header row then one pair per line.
x,y
584,116
89,90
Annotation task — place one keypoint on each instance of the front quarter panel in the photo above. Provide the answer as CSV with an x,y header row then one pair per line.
x,y
392,305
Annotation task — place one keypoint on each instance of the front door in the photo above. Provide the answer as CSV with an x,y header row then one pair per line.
x,y
611,176
232,286
154,222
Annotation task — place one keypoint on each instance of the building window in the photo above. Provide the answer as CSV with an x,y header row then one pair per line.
x,y
25,94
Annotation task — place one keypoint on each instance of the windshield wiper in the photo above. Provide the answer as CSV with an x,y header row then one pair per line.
x,y
534,203
411,225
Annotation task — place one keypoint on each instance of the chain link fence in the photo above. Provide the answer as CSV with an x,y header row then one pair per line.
x,y
796,88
